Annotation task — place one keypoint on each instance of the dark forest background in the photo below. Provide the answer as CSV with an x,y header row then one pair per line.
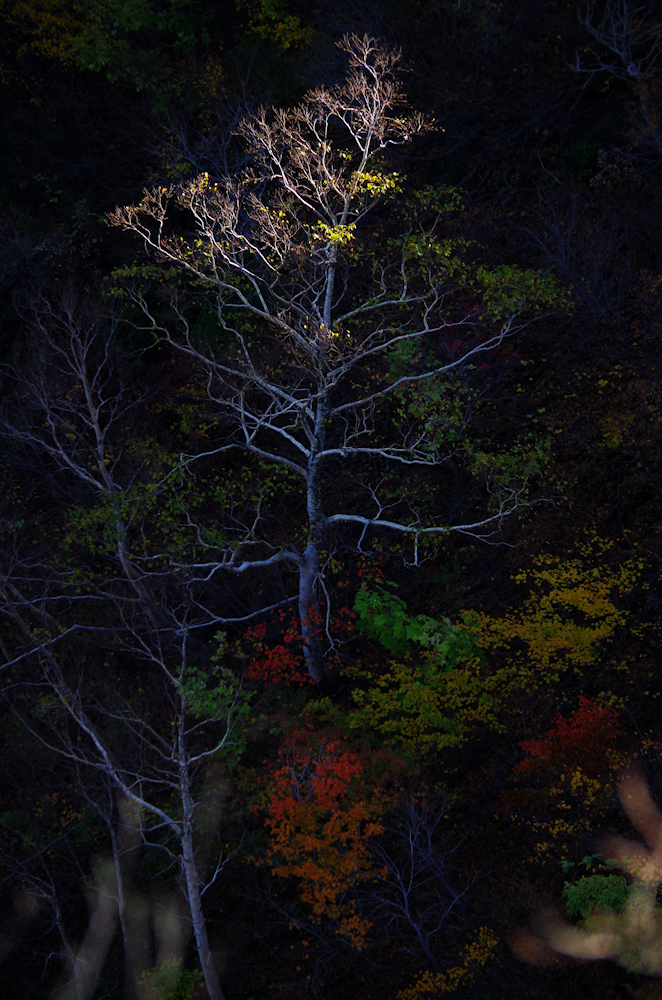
x,y
410,829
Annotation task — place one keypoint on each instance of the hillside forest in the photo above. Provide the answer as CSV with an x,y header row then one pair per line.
x,y
330,499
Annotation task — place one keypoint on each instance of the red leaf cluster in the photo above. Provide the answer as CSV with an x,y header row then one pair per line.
x,y
583,740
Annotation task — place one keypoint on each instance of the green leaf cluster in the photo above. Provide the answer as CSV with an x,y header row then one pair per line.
x,y
169,982
430,704
591,893
441,198
514,467
384,617
117,37
271,21
214,693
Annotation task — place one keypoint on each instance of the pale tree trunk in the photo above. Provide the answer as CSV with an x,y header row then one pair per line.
x,y
309,613
110,898
309,563
77,990
133,911
189,866
212,983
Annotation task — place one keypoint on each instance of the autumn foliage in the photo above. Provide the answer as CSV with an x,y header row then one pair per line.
x,y
566,779
321,815
282,662
585,738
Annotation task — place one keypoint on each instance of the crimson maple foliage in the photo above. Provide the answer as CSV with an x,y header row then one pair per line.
x,y
276,663
584,739
282,662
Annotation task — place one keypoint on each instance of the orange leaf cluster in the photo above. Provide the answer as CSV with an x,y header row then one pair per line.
x,y
320,818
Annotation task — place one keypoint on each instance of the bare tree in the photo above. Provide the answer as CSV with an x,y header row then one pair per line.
x,y
330,338
182,145
587,248
47,873
155,750
632,34
71,400
413,896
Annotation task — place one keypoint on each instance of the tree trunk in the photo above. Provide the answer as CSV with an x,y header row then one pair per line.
x,y
126,842
212,983
309,565
311,619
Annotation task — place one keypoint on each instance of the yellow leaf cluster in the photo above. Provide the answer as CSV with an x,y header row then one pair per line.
x,y
476,954
337,234
573,802
568,618
49,25
424,706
